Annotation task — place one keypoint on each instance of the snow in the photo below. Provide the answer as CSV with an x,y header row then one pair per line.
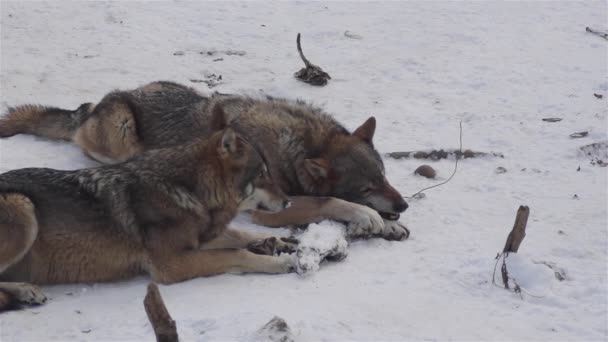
x,y
420,68
318,242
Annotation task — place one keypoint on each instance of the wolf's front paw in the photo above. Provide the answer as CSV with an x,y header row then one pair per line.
x,y
28,294
366,222
288,263
394,230
273,246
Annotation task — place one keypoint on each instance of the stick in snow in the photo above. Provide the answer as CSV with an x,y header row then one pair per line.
x,y
514,239
311,74
597,33
163,324
518,232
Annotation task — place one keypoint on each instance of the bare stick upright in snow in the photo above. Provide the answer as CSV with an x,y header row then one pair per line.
x,y
514,239
163,324
518,232
597,33
311,74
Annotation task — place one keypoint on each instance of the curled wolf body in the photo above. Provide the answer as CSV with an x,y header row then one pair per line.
x,y
329,172
164,213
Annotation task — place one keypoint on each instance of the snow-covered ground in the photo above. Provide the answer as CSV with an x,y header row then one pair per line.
x,y
420,68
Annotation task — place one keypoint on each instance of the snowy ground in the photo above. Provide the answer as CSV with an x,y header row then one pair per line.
x,y
419,68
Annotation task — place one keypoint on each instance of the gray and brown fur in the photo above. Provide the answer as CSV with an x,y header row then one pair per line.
x,y
164,213
334,173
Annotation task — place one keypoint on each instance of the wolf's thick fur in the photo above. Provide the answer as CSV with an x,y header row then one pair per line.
x,y
307,151
163,213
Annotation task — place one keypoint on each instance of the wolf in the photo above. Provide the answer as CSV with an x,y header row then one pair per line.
x,y
329,172
165,213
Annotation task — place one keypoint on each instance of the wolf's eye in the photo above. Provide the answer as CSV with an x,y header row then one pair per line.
x,y
366,191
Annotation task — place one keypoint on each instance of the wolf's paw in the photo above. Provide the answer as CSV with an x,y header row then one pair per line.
x,y
273,246
287,263
366,222
394,230
28,294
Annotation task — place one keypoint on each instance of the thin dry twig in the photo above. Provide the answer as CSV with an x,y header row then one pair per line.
x,y
597,33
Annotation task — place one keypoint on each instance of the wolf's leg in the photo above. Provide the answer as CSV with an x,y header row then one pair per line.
x,y
22,293
18,231
259,243
361,220
174,268
110,134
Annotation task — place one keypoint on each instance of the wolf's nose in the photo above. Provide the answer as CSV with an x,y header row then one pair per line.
x,y
286,204
400,206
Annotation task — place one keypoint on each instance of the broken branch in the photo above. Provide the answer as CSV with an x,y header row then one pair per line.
x,y
518,232
443,154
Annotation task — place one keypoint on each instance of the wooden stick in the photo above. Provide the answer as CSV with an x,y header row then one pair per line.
x,y
163,324
518,232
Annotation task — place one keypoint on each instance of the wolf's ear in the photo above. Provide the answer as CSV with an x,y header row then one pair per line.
x,y
218,119
366,131
228,143
317,168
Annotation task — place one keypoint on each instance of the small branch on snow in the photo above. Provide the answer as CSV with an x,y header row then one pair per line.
x,y
163,324
311,74
443,154
597,33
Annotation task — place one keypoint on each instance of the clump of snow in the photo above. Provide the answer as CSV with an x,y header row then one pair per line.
x,y
319,242
276,330
535,279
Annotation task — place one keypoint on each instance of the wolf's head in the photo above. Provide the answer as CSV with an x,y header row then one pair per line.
x,y
352,170
247,169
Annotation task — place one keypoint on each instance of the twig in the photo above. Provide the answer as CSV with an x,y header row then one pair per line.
x,y
504,272
306,62
597,33
163,324
451,176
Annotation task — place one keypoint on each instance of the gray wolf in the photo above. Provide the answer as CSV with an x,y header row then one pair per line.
x,y
164,213
329,172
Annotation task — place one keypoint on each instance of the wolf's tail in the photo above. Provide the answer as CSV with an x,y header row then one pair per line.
x,y
47,122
